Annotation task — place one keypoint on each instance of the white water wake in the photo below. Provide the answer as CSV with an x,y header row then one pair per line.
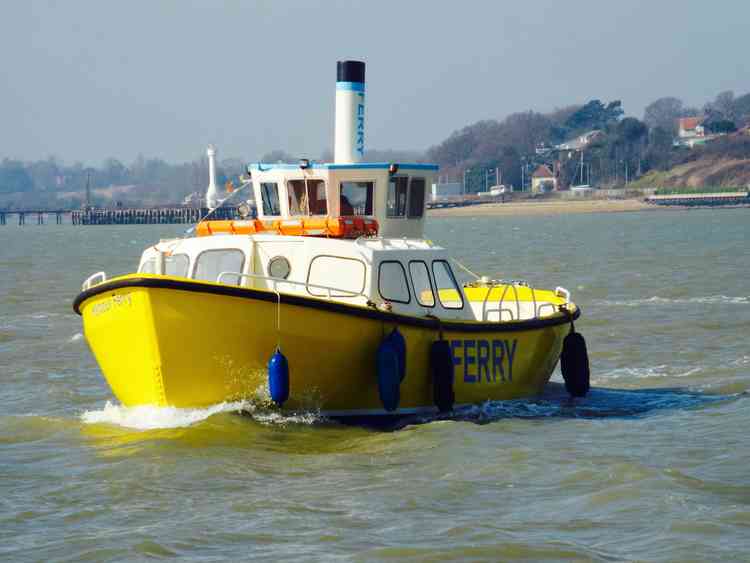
x,y
154,418
161,418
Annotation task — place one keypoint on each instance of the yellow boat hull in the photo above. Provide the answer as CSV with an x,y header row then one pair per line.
x,y
177,342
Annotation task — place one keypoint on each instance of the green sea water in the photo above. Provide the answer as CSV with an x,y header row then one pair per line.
x,y
654,465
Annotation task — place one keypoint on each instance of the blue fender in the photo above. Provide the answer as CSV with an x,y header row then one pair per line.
x,y
441,365
388,375
278,377
399,344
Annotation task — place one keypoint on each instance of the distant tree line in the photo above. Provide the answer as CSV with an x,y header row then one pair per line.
x,y
625,149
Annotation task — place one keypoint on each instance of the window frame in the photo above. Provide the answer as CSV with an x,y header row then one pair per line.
x,y
429,280
371,198
406,279
345,293
198,257
455,285
187,267
394,179
306,182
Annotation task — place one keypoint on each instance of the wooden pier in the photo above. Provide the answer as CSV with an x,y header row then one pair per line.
x,y
39,214
701,199
118,215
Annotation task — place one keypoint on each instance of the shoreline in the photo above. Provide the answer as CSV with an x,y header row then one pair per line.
x,y
549,207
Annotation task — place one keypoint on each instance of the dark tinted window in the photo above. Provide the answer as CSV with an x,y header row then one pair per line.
x,y
269,193
416,197
396,203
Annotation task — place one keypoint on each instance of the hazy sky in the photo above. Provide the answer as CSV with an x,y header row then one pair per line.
x,y
88,80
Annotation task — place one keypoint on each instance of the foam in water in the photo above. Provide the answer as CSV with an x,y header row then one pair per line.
x,y
646,372
704,300
152,418
76,337
157,418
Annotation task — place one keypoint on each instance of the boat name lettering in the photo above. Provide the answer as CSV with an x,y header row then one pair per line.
x,y
484,360
361,124
108,304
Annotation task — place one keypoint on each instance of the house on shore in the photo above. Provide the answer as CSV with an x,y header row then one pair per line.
x,y
543,180
690,132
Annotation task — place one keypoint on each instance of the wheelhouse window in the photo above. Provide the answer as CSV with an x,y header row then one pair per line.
x,y
446,285
356,198
176,265
420,281
269,194
307,197
211,263
397,195
392,283
416,197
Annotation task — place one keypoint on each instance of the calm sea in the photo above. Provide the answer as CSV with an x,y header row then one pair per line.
x,y
653,465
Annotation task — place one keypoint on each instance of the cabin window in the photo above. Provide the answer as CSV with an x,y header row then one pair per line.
x,y
269,193
346,274
396,202
416,197
392,283
420,281
307,197
356,198
148,266
176,265
447,288
211,263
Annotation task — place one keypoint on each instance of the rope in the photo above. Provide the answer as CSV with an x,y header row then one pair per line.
x,y
278,318
464,268
210,211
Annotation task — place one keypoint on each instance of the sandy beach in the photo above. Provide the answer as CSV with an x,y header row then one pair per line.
x,y
548,207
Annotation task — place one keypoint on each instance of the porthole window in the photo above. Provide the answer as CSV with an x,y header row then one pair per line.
x,y
279,267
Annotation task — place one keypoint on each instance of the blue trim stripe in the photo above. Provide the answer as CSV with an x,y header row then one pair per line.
x,y
263,167
351,86
381,165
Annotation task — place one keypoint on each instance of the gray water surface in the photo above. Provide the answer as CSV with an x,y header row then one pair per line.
x,y
652,465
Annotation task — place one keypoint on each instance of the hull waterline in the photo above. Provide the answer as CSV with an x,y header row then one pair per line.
x,y
176,342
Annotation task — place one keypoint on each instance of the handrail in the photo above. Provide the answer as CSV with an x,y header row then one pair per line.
x,y
542,306
515,294
89,282
537,307
500,312
277,281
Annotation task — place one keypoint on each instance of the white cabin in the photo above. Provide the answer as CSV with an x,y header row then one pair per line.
x,y
393,194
